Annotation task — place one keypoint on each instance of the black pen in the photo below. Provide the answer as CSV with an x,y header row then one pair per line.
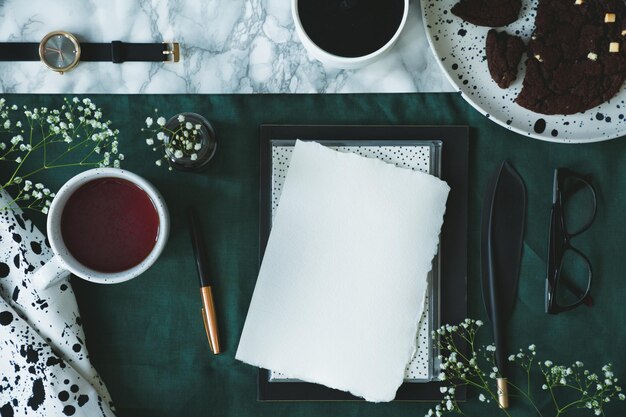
x,y
208,310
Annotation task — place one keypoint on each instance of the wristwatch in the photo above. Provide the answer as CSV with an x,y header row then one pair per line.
x,y
61,51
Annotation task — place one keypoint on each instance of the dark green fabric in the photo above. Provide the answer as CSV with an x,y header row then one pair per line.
x,y
146,336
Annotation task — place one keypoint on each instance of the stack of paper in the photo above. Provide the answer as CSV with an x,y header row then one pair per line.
x,y
343,279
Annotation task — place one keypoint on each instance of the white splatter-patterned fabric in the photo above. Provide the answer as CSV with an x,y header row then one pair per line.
x,y
44,365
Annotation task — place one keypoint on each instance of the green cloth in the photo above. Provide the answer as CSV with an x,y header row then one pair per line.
x,y
146,336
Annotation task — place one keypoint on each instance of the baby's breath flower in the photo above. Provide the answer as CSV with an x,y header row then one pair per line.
x,y
482,397
52,134
449,405
181,118
149,121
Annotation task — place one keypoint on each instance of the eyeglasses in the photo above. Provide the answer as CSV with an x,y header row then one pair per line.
x,y
574,206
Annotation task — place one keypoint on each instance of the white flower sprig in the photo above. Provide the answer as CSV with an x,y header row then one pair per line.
x,y
181,141
38,139
477,368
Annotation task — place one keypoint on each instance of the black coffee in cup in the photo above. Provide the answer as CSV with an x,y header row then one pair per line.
x,y
350,28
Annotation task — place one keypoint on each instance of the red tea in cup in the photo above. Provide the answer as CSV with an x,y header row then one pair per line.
x,y
109,224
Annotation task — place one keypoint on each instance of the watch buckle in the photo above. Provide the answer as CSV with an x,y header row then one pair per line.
x,y
172,52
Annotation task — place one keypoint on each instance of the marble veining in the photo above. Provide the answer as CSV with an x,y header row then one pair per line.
x,y
228,46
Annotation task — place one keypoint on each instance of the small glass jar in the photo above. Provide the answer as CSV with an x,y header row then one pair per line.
x,y
205,137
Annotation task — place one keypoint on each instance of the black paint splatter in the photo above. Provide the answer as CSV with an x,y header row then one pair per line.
x,y
6,410
76,347
63,287
4,270
17,237
6,318
36,247
31,355
64,396
20,221
38,395
69,410
82,400
599,116
554,133
74,388
16,293
462,32
52,360
540,125
43,304
16,260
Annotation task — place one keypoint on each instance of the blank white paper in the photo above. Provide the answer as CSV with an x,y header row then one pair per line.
x,y
343,279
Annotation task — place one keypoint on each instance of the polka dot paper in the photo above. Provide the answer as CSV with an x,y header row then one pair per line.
x,y
44,365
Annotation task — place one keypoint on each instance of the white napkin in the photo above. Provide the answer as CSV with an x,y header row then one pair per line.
x,y
343,279
44,365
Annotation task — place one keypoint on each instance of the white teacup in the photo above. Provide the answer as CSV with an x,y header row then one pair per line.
x,y
63,262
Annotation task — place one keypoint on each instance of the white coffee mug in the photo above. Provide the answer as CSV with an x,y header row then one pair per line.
x,y
63,262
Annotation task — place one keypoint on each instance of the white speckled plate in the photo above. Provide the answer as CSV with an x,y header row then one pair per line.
x,y
460,49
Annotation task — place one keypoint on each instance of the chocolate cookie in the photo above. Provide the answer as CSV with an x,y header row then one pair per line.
x,y
504,53
576,56
492,13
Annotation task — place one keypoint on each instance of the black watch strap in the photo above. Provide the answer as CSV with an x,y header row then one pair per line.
x,y
19,51
116,52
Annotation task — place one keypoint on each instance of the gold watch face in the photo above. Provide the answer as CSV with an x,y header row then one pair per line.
x,y
59,51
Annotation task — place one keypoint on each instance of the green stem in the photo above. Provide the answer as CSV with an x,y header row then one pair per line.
x,y
525,395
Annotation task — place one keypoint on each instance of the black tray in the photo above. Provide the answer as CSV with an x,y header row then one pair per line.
x,y
453,244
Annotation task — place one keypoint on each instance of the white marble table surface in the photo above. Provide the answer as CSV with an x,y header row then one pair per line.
x,y
228,46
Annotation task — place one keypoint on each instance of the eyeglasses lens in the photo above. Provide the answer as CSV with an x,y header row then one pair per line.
x,y
578,205
574,278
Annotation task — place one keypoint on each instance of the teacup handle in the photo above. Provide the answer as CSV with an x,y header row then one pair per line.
x,y
49,274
